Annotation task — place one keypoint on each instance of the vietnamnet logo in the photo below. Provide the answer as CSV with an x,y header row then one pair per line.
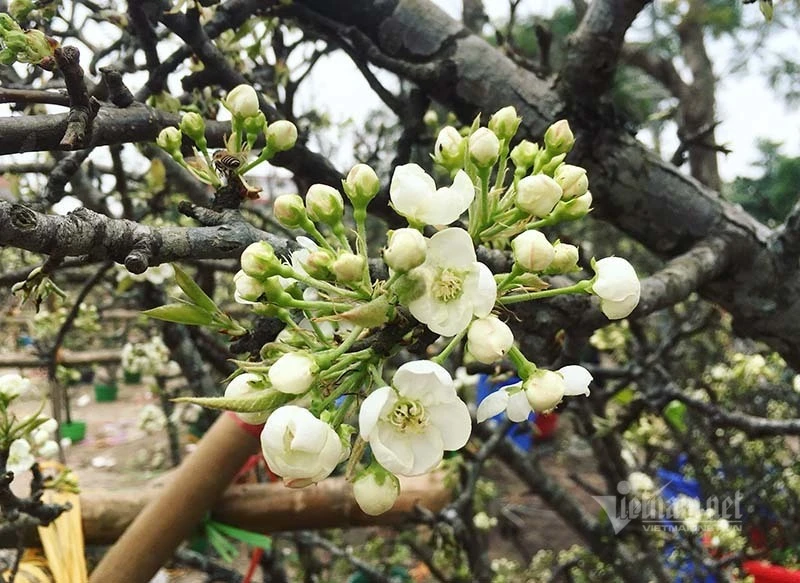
x,y
654,512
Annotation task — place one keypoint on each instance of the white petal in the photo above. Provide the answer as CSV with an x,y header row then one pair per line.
x,y
451,318
428,451
411,191
483,292
424,380
518,409
392,450
616,279
616,310
451,247
576,379
449,203
371,410
492,405
453,422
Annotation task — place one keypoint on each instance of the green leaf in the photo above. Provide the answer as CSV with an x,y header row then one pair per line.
x,y
625,396
675,413
252,539
193,291
224,548
181,314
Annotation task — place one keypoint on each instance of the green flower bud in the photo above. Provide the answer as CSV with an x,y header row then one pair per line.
x,y
281,135
275,293
577,208
558,138
259,261
318,264
484,147
431,118
361,185
8,24
505,123
406,250
254,126
242,101
19,9
565,259
289,210
523,155
544,390
324,204
194,126
38,46
537,195
348,267
449,149
572,180
170,139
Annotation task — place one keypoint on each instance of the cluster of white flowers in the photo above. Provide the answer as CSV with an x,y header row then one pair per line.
x,y
27,438
147,358
326,367
151,419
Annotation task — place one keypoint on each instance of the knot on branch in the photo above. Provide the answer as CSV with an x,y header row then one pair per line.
x,y
22,218
118,93
138,260
82,108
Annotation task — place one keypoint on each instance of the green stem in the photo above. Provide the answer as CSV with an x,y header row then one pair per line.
x,y
342,411
321,285
442,356
524,367
579,287
309,227
327,307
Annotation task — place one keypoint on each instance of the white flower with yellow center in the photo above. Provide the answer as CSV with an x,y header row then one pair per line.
x,y
457,286
414,195
411,424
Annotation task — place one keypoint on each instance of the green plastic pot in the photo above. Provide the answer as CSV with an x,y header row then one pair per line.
x,y
76,430
131,378
105,393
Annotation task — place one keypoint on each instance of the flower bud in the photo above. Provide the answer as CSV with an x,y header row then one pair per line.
x,y
484,147
505,122
572,180
558,138
577,208
324,204
289,210
348,267
431,118
49,449
361,185
259,260
376,491
242,101
169,139
247,385
281,135
532,251
523,155
544,390
537,195
194,126
406,250
489,339
318,264
38,46
13,385
254,126
293,373
248,289
565,259
449,148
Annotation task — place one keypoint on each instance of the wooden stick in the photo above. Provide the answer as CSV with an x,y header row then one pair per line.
x,y
168,520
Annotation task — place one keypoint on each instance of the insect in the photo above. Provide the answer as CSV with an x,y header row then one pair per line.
x,y
227,163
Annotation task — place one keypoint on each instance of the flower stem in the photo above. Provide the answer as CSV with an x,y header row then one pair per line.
x,y
579,287
442,356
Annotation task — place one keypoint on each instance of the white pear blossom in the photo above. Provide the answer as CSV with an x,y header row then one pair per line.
x,y
484,147
248,289
13,385
293,373
242,101
406,250
537,195
532,251
49,449
449,144
20,458
542,392
489,339
376,493
247,385
456,286
411,424
299,447
617,287
151,419
414,196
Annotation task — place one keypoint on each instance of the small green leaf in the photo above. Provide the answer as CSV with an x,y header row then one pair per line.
x,y
193,291
181,314
675,413
625,396
253,539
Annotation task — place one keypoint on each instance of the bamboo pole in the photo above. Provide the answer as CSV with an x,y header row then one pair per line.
x,y
157,531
